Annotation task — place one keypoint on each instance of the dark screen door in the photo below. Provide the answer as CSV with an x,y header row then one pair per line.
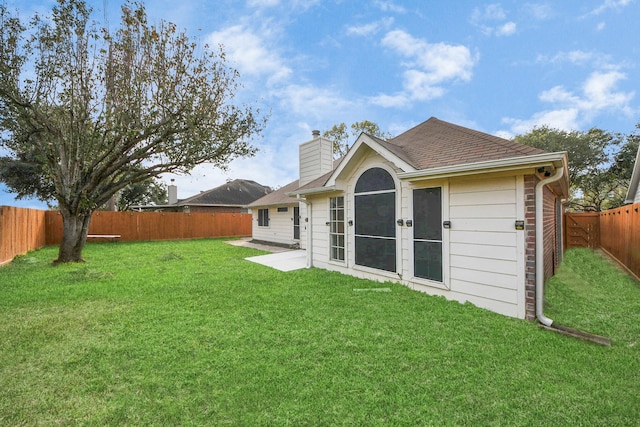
x,y
427,233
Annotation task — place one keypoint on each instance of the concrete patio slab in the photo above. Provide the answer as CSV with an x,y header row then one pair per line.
x,y
248,243
283,261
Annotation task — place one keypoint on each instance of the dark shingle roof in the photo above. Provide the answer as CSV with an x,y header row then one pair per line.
x,y
431,144
436,143
239,192
278,197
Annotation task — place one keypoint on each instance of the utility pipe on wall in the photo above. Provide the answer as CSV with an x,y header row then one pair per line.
x,y
540,245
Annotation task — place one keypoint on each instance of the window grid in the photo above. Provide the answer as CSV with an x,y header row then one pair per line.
x,y
375,220
336,228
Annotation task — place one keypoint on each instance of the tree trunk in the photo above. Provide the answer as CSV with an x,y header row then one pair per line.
x,y
75,229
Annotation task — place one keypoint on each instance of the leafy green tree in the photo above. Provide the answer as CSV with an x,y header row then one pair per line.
x,y
625,158
92,112
340,136
141,193
590,157
622,168
587,151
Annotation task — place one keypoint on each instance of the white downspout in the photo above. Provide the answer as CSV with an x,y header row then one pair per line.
x,y
540,245
309,230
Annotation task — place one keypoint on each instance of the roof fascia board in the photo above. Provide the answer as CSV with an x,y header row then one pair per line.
x,y
309,191
556,160
281,203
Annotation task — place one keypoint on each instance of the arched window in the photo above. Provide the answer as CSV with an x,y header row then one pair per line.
x,y
375,220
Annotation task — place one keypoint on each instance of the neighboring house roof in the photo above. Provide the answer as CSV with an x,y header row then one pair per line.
x,y
635,181
239,192
278,197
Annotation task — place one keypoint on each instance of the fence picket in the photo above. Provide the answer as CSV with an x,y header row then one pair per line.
x,y
23,230
616,231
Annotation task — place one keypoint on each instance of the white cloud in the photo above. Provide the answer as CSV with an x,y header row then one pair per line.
x,y
601,26
598,95
371,28
429,64
610,4
421,85
314,103
539,11
248,52
577,57
506,29
398,100
490,21
388,6
491,12
262,3
566,119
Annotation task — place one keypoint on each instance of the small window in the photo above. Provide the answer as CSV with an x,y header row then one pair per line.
x,y
263,217
283,209
336,229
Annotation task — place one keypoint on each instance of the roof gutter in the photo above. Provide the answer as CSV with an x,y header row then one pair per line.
x,y
540,245
309,191
554,160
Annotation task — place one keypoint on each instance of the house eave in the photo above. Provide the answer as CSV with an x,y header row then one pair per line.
x,y
291,202
555,160
311,191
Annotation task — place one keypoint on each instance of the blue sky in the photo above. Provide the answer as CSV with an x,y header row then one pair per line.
x,y
498,67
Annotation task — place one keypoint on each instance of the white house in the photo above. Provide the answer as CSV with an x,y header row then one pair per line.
x,y
633,193
440,208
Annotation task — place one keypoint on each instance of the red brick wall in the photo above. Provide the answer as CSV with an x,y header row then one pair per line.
x,y
530,246
550,236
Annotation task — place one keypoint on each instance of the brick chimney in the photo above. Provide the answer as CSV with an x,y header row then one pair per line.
x,y
316,158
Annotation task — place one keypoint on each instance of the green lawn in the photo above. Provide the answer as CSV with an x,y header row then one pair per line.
x,y
188,333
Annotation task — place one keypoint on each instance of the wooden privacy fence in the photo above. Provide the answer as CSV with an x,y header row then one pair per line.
x,y
136,226
620,235
581,230
23,230
616,231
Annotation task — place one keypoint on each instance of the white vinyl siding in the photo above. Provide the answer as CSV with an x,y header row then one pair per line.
x,y
280,228
486,252
316,159
320,231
